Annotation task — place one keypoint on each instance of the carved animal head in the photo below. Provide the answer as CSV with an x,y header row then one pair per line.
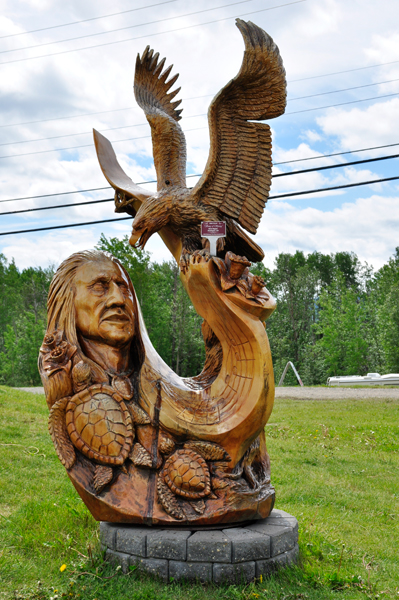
x,y
152,215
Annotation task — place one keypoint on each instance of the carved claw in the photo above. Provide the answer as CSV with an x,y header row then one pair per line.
x,y
184,261
200,255
193,258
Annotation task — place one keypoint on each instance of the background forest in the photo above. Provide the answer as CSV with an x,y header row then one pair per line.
x,y
334,315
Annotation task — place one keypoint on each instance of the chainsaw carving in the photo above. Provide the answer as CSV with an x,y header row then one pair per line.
x,y
140,443
236,181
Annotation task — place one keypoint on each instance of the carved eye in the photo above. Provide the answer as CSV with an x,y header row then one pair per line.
x,y
167,182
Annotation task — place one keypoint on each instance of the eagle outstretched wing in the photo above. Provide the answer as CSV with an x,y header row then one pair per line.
x,y
237,176
168,141
129,196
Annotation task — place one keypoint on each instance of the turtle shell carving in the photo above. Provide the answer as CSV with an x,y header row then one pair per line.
x,y
186,474
99,425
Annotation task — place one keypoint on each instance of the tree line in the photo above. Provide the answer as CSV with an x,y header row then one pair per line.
x,y
334,315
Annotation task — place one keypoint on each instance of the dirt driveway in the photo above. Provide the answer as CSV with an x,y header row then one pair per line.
x,y
335,393
309,393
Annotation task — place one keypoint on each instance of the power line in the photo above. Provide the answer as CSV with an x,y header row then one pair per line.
x,y
84,145
28,210
357,87
64,226
194,129
392,62
150,34
56,137
63,193
199,174
338,187
286,162
335,187
348,164
341,104
103,112
356,162
123,28
86,20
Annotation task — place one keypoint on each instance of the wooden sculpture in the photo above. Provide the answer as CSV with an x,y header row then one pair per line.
x,y
140,443
236,181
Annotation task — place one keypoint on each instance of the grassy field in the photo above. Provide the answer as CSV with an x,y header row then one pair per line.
x,y
335,466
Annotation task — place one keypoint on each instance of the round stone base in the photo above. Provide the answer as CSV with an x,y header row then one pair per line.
x,y
237,554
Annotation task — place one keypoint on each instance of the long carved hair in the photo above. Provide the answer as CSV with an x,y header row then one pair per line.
x,y
61,317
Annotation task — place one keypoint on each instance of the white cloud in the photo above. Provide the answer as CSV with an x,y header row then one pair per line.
x,y
312,136
367,227
362,128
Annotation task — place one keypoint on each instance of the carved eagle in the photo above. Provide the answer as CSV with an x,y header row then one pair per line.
x,y
235,184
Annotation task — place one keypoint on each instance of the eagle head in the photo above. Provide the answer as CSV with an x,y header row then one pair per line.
x,y
152,215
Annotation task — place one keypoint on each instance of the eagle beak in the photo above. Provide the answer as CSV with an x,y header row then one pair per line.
x,y
134,238
139,240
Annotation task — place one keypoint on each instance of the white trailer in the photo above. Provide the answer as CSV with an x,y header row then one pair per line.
x,y
369,379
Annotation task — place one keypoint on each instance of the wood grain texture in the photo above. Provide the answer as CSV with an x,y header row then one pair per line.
x,y
140,443
151,90
236,181
144,445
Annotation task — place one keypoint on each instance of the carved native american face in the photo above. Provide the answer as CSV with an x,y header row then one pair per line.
x,y
104,306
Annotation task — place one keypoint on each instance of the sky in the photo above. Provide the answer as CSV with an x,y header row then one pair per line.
x,y
67,67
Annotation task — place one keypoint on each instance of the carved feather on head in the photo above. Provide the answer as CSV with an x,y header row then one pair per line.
x,y
235,184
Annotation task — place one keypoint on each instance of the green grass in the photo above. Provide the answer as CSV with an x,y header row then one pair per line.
x,y
335,466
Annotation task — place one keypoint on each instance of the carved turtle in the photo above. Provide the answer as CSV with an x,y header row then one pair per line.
x,y
186,474
97,422
99,425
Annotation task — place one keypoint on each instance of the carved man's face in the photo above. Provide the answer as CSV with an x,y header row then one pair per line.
x,y
104,306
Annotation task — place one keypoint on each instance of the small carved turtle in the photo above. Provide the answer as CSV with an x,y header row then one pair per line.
x,y
99,425
186,474
97,422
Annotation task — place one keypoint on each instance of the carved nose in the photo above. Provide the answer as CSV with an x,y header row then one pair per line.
x,y
115,295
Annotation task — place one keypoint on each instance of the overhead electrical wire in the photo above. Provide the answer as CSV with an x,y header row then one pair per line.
x,y
151,34
193,129
65,226
392,62
337,187
56,137
199,174
286,162
28,210
103,112
341,165
295,112
87,20
80,37
337,166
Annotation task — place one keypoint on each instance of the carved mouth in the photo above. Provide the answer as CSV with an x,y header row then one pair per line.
x,y
118,317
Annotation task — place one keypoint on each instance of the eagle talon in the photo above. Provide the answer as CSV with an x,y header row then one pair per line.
x,y
184,262
200,255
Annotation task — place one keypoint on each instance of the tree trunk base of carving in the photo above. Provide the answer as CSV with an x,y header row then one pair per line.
x,y
133,498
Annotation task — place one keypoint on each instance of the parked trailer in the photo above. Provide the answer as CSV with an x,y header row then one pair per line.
x,y
369,379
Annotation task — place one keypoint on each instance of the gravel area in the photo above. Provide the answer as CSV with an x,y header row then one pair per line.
x,y
335,393
32,390
307,393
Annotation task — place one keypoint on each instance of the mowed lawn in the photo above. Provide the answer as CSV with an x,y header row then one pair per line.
x,y
335,466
